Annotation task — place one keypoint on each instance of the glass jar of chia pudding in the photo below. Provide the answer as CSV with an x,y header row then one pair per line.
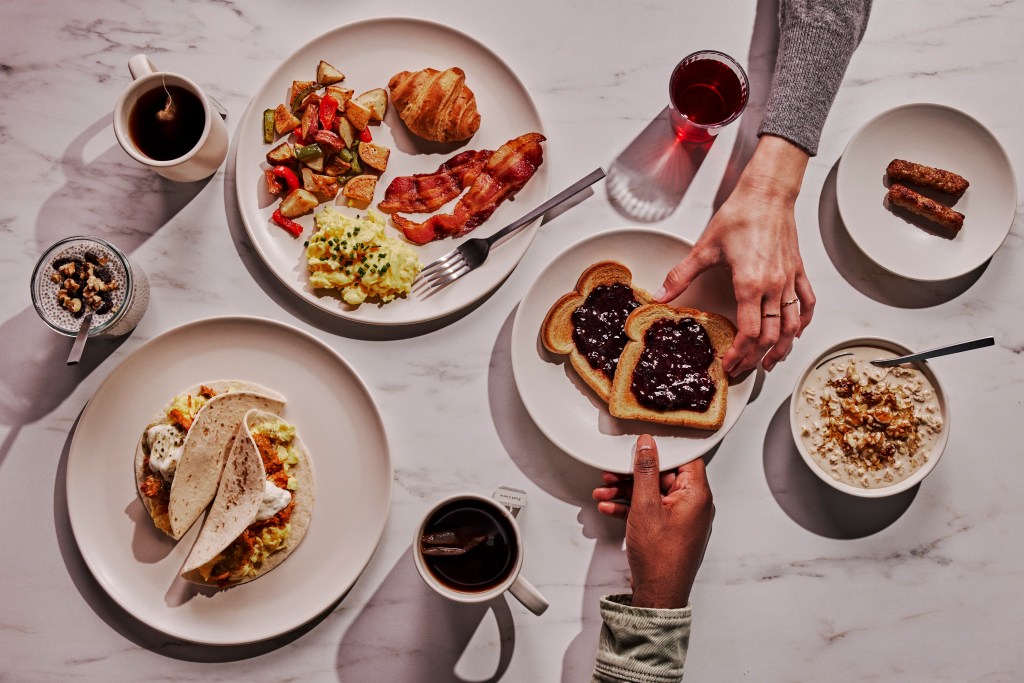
x,y
79,275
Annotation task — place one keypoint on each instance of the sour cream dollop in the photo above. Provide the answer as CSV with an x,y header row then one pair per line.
x,y
274,500
166,444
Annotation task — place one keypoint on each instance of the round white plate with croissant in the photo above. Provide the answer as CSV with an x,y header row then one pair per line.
x,y
369,54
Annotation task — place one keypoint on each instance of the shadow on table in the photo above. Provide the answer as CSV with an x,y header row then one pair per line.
x,y
408,632
812,503
124,623
99,198
868,277
570,481
288,300
649,179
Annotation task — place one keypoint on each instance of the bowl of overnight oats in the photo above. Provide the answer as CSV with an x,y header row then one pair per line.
x,y
866,430
80,275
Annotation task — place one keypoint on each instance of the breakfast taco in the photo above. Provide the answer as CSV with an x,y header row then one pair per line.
x,y
180,455
262,508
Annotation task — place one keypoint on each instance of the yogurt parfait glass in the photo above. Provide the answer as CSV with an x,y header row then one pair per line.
x,y
78,275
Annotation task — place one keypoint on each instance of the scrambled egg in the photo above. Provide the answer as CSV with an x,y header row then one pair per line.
x,y
356,257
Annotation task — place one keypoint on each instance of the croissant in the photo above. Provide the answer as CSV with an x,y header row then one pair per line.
x,y
436,105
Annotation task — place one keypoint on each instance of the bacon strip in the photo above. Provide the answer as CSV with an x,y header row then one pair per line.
x,y
506,172
426,192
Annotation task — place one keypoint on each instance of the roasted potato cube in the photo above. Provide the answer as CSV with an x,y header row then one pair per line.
x,y
316,163
298,202
376,101
298,87
340,95
282,154
284,120
361,188
375,156
346,131
337,166
357,114
311,98
324,187
274,185
327,74
310,121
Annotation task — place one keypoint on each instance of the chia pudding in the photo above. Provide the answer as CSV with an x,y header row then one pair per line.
x,y
867,426
79,275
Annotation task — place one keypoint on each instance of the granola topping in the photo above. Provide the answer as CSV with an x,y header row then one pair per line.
x,y
868,426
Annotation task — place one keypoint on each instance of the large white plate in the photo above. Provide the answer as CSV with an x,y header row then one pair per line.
x,y
336,418
369,53
939,136
563,406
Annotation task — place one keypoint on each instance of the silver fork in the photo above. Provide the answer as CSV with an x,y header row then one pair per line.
x,y
471,253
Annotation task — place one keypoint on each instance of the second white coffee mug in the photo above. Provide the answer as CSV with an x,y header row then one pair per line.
x,y
511,580
208,153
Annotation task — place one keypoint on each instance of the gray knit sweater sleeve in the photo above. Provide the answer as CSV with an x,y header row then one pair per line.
x,y
816,40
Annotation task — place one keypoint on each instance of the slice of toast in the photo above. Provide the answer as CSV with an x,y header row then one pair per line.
x,y
557,330
625,402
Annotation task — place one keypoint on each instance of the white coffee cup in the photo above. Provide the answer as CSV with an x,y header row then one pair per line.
x,y
209,152
513,582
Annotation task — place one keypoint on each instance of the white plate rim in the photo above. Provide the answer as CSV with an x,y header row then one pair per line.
x,y
524,351
253,222
96,565
842,179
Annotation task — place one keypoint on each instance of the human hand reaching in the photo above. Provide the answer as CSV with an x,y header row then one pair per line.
x,y
668,523
754,235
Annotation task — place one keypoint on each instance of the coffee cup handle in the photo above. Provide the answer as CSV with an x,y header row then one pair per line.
x,y
531,598
140,65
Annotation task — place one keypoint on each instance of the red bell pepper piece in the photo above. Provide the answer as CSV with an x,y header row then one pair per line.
x,y
293,228
328,112
364,135
288,176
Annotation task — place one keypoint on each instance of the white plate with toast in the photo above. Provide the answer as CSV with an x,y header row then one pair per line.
x,y
138,565
941,137
568,411
369,53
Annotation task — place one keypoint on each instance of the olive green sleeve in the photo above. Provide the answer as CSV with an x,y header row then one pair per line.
x,y
641,644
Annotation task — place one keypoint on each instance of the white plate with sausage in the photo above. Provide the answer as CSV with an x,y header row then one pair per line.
x,y
940,137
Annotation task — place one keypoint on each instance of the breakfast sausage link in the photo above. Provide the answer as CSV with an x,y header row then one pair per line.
x,y
925,207
940,179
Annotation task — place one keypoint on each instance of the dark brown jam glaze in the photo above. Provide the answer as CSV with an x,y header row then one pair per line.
x,y
672,373
598,326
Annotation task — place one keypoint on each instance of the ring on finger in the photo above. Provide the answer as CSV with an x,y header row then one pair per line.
x,y
790,302
771,315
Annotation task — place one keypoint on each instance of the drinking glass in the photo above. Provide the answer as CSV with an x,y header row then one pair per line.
x,y
708,90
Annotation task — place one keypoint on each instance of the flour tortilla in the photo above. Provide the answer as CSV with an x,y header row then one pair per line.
x,y
205,449
238,499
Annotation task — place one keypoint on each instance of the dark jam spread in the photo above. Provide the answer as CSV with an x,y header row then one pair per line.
x,y
673,370
597,326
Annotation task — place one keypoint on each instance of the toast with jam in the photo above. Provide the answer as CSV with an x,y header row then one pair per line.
x,y
588,324
670,370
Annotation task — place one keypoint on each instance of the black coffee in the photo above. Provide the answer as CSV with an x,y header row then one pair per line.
x,y
165,131
485,535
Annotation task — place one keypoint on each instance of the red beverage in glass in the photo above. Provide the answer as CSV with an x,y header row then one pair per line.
x,y
708,90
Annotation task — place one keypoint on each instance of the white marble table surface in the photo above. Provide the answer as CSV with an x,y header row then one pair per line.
x,y
799,583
